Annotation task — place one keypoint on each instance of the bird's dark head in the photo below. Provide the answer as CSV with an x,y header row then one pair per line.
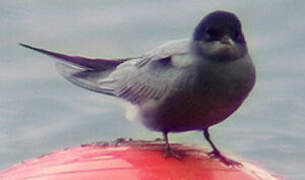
x,y
219,36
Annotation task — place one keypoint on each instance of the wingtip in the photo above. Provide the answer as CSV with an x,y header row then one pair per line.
x,y
33,48
25,45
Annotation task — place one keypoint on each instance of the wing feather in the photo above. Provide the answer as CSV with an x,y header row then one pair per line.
x,y
136,80
150,77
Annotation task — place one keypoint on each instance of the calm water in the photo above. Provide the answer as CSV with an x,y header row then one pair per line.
x,y
41,112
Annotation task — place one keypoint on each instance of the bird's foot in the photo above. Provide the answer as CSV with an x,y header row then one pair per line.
x,y
169,153
223,159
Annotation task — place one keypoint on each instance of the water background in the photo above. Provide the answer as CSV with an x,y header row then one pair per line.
x,y
41,112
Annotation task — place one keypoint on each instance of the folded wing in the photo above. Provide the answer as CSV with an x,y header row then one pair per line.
x,y
150,77
133,79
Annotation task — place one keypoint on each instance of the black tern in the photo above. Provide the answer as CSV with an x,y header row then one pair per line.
x,y
183,85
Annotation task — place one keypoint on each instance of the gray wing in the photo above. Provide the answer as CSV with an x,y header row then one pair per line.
x,y
84,77
150,77
133,79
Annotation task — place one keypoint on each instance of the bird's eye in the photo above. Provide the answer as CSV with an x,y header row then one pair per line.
x,y
212,32
236,35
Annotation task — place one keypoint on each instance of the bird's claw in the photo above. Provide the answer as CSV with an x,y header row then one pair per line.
x,y
169,153
223,159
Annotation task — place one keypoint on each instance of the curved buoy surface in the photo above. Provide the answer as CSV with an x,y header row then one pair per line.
x,y
131,160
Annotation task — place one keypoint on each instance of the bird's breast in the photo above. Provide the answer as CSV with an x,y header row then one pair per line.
x,y
216,92
225,85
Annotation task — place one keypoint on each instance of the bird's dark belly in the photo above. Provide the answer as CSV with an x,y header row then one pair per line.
x,y
207,100
185,112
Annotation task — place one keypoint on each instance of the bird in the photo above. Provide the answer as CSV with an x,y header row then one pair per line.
x,y
182,85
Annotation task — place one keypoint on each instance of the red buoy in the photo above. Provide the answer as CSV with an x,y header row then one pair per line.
x,y
131,160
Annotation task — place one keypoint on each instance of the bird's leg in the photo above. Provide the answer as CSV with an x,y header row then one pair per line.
x,y
216,153
168,151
